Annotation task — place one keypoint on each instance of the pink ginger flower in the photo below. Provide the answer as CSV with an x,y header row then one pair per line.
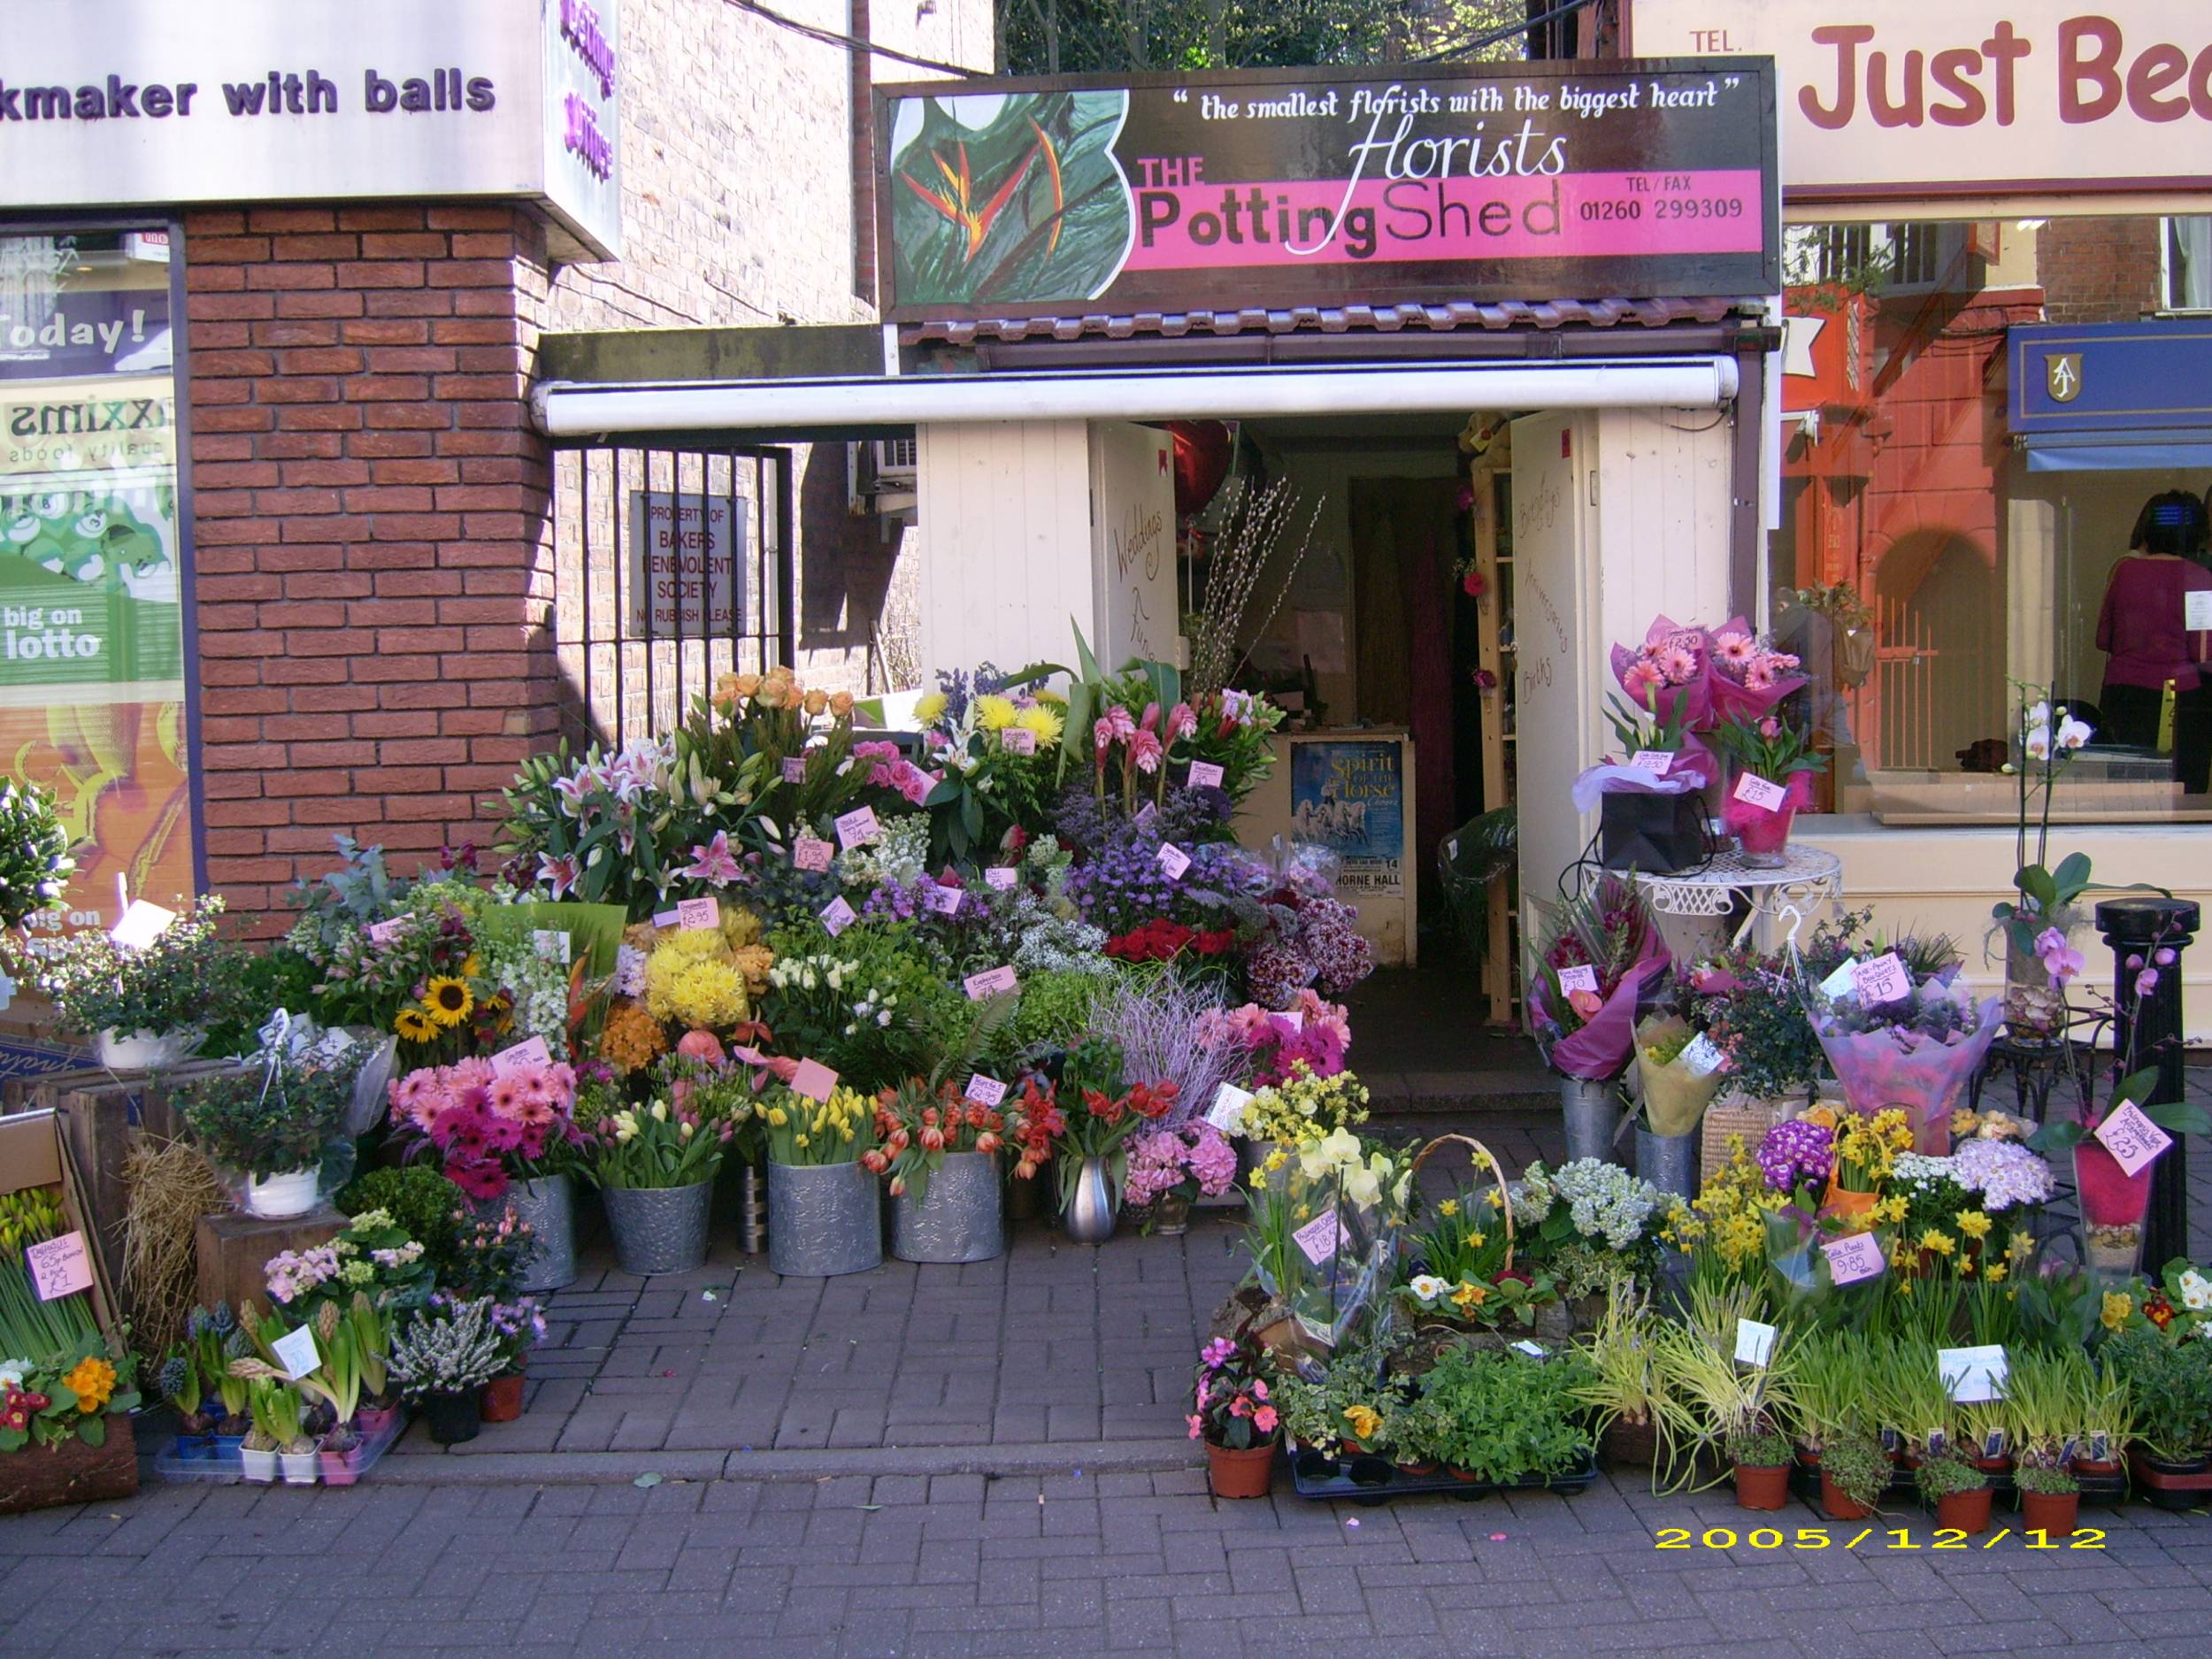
x,y
1182,720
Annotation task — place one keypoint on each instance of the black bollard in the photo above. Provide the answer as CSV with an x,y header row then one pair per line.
x,y
2149,1028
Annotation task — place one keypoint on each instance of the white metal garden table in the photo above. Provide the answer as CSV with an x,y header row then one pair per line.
x,y
1807,877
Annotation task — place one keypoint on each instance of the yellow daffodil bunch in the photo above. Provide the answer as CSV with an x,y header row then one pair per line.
x,y
1867,1148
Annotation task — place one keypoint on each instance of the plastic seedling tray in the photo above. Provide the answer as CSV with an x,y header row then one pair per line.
x,y
1376,1480
228,1469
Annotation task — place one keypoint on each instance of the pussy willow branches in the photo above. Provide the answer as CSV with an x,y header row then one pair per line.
x,y
1251,525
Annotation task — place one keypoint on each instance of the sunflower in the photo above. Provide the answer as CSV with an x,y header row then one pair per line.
x,y
447,999
414,1025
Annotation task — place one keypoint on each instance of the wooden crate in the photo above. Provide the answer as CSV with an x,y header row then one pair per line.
x,y
234,1251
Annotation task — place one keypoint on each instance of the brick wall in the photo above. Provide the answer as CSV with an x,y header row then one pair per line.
x,y
368,512
2099,270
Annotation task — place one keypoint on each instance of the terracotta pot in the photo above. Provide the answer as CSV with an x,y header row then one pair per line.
x,y
2050,1513
1468,1476
1416,1468
1762,1486
503,1398
1999,1465
2083,1466
1834,1505
1234,1474
1966,1512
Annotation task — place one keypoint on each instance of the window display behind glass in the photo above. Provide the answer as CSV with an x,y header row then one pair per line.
x,y
91,623
1927,577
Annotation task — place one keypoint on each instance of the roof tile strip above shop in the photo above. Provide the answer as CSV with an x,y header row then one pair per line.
x,y
1651,313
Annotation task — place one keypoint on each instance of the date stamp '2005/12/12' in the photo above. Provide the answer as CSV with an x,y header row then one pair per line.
x,y
1892,1537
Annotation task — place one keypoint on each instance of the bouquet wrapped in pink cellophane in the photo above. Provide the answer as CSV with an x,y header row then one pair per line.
x,y
1915,1052
1585,1034
1695,767
1710,673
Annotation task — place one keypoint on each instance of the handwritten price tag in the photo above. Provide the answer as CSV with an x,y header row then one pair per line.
x,y
296,1353
1657,761
1204,775
1320,1238
2131,1138
1002,876
1881,980
1228,1108
1174,860
1755,1343
1017,739
809,854
1971,1375
697,914
551,944
991,982
384,932
1762,793
794,769
985,1091
1856,1258
1583,978
59,1267
858,827
943,901
531,1053
1700,1058
1842,980
813,1080
141,925
837,915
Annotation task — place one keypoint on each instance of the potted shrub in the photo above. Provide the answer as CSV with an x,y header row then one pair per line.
x,y
146,1005
2050,1499
654,1167
1345,1410
1721,1402
2170,1385
1624,1389
442,1360
1854,1472
519,1327
824,1209
1500,1419
1234,1413
269,1122
1958,1490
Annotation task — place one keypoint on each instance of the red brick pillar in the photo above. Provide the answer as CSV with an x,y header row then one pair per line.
x,y
374,588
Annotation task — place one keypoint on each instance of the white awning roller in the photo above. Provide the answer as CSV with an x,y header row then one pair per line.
x,y
568,409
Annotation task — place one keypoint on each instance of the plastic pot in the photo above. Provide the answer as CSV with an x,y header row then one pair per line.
x,y
2051,1513
340,1468
500,1400
143,1050
1835,1505
1965,1512
453,1418
298,1468
195,1448
1245,1474
1762,1486
280,1197
259,1467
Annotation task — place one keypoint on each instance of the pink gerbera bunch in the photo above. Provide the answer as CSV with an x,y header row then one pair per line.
x,y
487,1126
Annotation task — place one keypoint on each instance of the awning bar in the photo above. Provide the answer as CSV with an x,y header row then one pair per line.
x,y
568,409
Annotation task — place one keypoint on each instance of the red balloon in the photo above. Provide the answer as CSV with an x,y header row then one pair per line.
x,y
1202,449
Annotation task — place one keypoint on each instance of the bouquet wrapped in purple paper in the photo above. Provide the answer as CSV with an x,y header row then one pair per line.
x,y
1598,968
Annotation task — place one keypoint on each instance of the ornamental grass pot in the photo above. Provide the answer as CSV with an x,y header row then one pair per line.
x,y
453,1418
659,1229
2051,1513
824,1219
1835,1504
1631,1445
958,1219
1965,1512
1245,1474
1762,1486
500,1399
548,1207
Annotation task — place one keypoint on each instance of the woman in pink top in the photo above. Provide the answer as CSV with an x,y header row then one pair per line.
x,y
2142,627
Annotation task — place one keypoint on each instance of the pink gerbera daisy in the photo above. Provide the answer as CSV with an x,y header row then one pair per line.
x,y
506,1097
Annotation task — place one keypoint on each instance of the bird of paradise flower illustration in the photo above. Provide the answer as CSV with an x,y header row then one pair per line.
x,y
976,219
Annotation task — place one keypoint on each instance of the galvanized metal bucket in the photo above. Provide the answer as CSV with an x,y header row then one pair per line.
x,y
659,1229
1594,1112
824,1219
1668,1162
547,1206
959,1220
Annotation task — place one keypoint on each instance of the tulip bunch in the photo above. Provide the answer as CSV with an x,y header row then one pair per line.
x,y
916,1126
808,1131
659,1145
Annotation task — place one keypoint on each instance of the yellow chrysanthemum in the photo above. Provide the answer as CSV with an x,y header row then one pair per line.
x,y
1941,1243
413,1025
1046,725
1973,1224
994,714
93,1382
447,1001
928,706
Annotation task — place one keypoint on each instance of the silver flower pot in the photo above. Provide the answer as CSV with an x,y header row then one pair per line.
x,y
659,1229
824,1219
1594,1112
958,1220
1092,1210
547,1206
1668,1162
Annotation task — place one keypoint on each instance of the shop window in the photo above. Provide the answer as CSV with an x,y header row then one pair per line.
x,y
92,565
1924,568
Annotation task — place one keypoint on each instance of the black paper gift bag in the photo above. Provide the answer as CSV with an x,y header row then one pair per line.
x,y
1658,834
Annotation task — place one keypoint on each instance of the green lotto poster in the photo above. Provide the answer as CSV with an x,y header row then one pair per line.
x,y
91,618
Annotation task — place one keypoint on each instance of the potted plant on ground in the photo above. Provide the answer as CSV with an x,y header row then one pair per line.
x,y
2170,1384
339,1382
1171,1169
270,1122
1727,1403
2050,1500
1959,1492
279,1441
145,1004
1854,1472
824,1208
654,1167
519,1327
217,1341
178,1381
442,1360
1344,1410
1234,1413
1503,1418
1625,1387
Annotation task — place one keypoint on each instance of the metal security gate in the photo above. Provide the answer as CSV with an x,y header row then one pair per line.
x,y
673,566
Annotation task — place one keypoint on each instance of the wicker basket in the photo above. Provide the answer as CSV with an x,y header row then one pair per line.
x,y
1738,1115
1485,1161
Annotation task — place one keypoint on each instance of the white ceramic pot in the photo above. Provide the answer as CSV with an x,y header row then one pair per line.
x,y
300,1469
259,1467
142,1051
281,1196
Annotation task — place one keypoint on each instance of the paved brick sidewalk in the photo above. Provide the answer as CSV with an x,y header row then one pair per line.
x,y
1116,1564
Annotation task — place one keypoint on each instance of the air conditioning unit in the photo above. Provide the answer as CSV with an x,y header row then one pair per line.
x,y
894,462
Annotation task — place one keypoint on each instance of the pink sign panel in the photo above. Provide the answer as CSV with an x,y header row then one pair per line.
x,y
59,1266
992,982
813,1080
1857,1257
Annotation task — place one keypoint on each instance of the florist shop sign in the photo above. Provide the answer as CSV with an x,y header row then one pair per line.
x,y
1286,187
107,103
1882,99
